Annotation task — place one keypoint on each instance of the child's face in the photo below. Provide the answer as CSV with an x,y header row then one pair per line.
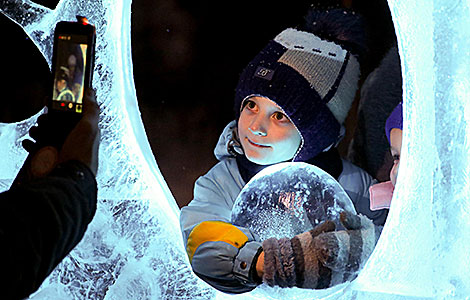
x,y
266,134
395,149
61,84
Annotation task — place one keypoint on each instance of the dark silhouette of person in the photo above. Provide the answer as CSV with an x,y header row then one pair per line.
x,y
45,215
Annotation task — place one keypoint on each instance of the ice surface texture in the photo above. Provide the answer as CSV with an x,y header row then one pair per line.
x,y
424,248
133,248
12,154
289,198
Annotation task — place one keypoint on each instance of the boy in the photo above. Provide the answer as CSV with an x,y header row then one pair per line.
x,y
290,103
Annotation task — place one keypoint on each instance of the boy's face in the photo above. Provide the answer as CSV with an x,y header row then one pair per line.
x,y
266,134
61,84
395,149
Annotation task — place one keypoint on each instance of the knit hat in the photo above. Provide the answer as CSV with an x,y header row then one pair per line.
x,y
395,120
63,73
313,80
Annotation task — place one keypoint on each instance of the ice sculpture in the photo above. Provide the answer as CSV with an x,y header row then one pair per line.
x,y
423,251
133,250
11,151
289,198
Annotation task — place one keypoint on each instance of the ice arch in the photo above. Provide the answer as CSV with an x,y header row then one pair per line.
x,y
132,249
423,251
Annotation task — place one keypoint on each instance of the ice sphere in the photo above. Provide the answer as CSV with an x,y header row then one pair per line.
x,y
289,198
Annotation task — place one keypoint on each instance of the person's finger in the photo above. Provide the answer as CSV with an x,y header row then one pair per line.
x,y
28,145
82,143
34,132
334,252
89,123
350,221
43,125
91,109
44,118
326,226
43,161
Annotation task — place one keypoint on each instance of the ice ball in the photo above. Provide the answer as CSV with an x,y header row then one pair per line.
x,y
289,198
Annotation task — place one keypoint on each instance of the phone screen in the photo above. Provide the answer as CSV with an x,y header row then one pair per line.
x,y
69,73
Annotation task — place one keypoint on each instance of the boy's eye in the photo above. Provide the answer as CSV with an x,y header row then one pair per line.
x,y
250,104
279,116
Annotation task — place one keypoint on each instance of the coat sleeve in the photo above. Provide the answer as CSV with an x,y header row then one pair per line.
x,y
220,253
40,223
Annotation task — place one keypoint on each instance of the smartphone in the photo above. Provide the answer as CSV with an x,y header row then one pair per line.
x,y
73,58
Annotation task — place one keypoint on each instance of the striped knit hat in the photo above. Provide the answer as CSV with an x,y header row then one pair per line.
x,y
313,80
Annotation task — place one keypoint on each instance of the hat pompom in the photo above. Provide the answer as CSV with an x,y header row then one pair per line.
x,y
343,27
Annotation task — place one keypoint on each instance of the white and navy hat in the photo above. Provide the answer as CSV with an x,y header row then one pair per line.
x,y
313,80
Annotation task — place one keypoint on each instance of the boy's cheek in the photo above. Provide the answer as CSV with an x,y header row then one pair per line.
x,y
394,173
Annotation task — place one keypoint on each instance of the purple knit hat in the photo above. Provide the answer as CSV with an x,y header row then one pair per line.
x,y
313,80
395,120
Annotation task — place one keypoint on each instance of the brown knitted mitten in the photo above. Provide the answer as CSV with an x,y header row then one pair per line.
x,y
295,262
346,251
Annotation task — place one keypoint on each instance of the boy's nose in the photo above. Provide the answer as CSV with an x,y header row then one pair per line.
x,y
257,127
394,173
257,132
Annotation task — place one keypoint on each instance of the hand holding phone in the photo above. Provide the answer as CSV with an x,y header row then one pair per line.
x,y
72,68
81,143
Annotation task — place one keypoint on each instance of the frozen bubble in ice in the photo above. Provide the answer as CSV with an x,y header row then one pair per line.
x,y
289,198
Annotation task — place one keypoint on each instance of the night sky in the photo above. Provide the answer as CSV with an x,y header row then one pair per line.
x,y
187,56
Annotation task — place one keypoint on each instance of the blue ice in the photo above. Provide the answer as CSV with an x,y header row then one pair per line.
x,y
133,249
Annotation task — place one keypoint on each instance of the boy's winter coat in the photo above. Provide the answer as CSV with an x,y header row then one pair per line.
x,y
223,254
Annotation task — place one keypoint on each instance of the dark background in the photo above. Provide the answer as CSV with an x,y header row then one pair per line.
x,y
187,56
